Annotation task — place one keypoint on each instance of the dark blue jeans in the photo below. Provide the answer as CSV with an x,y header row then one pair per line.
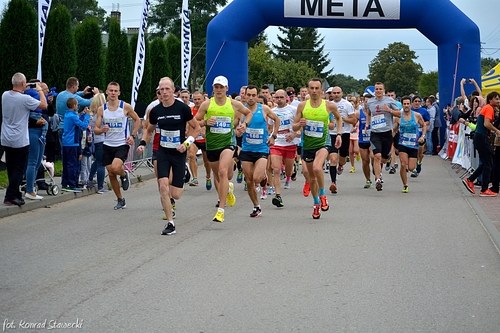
x,y
34,158
97,166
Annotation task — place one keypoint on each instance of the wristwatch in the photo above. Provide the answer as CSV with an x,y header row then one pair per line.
x,y
274,136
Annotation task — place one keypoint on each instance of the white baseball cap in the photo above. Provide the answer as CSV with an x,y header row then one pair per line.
x,y
220,80
329,90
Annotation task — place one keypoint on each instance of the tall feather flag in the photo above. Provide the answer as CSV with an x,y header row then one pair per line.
x,y
186,44
43,14
140,53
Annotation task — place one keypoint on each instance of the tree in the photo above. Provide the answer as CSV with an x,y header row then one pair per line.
x,y
59,55
79,9
428,84
18,37
348,83
160,65
396,68
487,64
146,92
303,44
260,66
119,60
260,38
89,54
174,58
165,17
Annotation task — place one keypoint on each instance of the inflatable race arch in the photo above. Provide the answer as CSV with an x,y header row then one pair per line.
x,y
455,35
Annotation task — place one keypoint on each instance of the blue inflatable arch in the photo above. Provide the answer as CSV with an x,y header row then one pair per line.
x,y
454,34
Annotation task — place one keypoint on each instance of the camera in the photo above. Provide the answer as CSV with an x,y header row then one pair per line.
x,y
469,80
52,92
31,85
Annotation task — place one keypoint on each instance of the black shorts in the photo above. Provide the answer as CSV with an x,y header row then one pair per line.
x,y
364,145
214,155
201,145
153,156
110,153
176,162
308,156
411,152
343,151
396,140
299,151
239,141
249,156
381,143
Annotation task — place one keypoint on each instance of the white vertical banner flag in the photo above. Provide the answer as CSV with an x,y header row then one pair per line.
x,y
186,44
43,13
140,53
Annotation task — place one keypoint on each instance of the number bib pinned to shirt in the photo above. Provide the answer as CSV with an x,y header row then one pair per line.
x,y
222,125
378,121
114,124
314,129
170,139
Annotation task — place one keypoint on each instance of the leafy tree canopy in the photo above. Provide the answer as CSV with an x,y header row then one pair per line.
x,y
79,9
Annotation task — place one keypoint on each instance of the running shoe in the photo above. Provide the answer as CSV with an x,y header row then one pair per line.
x,y
333,188
488,193
263,182
219,216
368,184
173,215
217,204
263,195
239,178
125,181
358,157
414,173
256,212
324,203
405,189
208,184
193,182
388,165
378,185
316,212
172,202
230,198
287,185
340,169
469,185
121,204
352,170
306,190
277,201
169,229
419,166
396,165
271,190
102,191
392,171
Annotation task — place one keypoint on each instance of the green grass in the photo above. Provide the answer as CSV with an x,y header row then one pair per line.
x,y
4,180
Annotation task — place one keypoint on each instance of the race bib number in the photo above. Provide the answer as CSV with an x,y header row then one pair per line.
x,y
314,129
254,136
409,139
170,139
378,121
115,124
222,125
285,126
365,135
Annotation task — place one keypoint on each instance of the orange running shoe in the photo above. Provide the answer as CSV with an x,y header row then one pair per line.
x,y
324,203
306,190
316,212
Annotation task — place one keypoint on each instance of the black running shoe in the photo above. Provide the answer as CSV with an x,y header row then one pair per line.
x,y
169,229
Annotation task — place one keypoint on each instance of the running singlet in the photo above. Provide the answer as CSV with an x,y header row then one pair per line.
x,y
316,129
408,132
256,135
221,134
118,126
286,116
363,137
171,122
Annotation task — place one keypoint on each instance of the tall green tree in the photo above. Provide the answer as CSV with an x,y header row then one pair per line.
x,y
428,84
89,54
160,66
19,42
146,92
165,19
79,9
303,44
488,63
59,54
396,68
119,60
173,45
260,38
348,83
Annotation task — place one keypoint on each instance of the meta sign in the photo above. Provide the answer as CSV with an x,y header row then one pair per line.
x,y
346,9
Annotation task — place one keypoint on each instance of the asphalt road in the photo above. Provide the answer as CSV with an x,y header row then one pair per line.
x,y
375,262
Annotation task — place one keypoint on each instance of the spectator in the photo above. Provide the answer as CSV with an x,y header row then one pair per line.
x,y
73,127
15,138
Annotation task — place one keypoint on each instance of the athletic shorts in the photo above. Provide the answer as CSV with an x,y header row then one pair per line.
x,y
396,140
412,152
176,162
214,155
249,156
364,145
110,153
201,145
381,143
343,151
299,151
287,152
239,141
422,144
310,155
153,156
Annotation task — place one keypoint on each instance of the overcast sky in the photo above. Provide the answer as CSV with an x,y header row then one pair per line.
x,y
350,51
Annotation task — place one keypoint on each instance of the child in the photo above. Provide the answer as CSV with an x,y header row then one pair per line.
x,y
87,152
73,128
